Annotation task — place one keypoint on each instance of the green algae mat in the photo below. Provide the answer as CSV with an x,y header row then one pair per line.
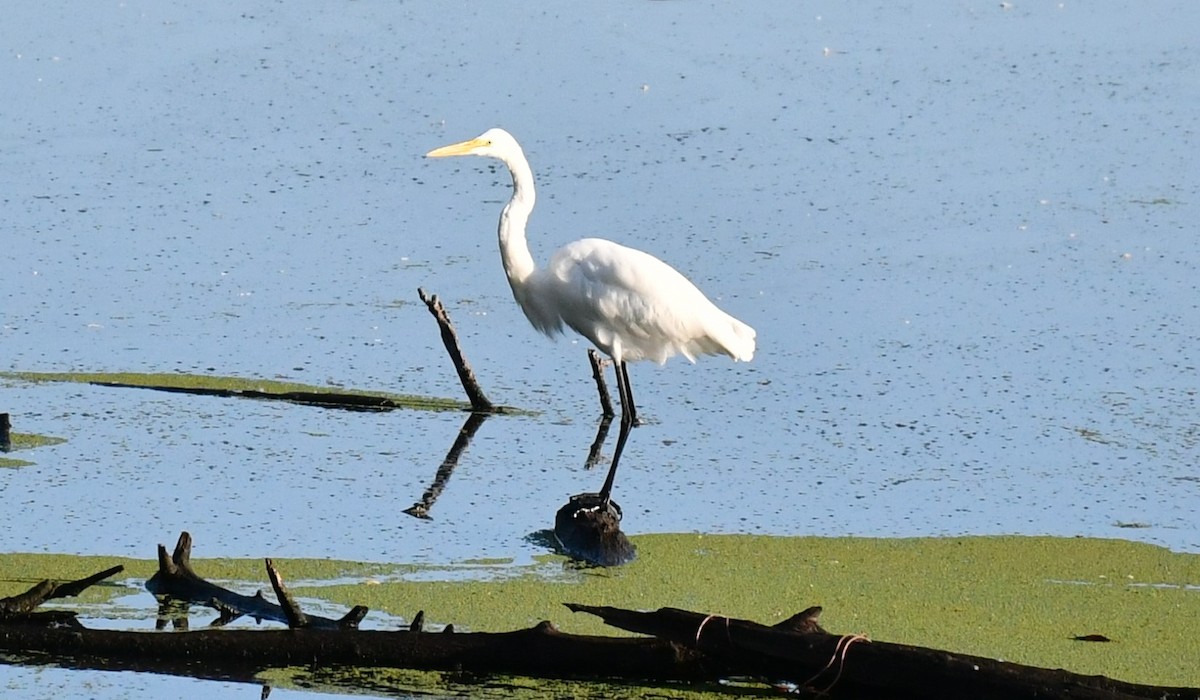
x,y
227,386
1021,599
240,386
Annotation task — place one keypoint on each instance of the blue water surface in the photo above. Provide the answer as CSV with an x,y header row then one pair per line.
x,y
965,233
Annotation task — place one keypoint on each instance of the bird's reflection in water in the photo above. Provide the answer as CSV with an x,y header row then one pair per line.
x,y
587,528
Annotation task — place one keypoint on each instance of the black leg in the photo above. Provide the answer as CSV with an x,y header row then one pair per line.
x,y
627,419
627,404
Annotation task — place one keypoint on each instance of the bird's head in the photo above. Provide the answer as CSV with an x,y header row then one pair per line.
x,y
496,143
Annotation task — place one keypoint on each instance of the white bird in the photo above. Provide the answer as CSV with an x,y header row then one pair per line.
x,y
629,304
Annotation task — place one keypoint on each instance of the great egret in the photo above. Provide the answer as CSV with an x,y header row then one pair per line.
x,y
630,304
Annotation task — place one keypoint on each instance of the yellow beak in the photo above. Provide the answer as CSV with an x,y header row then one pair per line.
x,y
457,149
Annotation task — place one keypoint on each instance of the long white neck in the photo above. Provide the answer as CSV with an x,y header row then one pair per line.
x,y
514,250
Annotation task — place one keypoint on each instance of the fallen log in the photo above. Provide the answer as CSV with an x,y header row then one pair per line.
x,y
796,655
175,580
853,666
541,650
321,399
28,601
22,610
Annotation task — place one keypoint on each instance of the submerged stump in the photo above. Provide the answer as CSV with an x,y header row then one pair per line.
x,y
589,528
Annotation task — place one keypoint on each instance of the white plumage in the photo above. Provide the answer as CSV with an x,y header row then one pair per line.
x,y
629,304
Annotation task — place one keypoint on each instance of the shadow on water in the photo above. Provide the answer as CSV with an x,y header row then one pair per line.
x,y
586,529
421,508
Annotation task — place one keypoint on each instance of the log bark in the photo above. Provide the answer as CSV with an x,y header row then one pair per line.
x,y
796,655
28,601
852,666
540,651
176,580
475,395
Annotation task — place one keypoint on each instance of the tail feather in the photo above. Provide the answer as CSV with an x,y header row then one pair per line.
x,y
740,344
728,336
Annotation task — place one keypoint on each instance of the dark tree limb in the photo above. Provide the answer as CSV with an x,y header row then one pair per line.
x,y
295,616
176,580
540,651
27,602
479,402
851,666
796,654
349,402
597,362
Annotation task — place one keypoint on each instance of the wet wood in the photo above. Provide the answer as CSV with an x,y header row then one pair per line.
x,y
177,581
597,362
5,433
795,655
589,529
537,651
852,666
25,603
540,651
475,395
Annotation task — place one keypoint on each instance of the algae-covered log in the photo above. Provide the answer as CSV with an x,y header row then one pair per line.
x,y
810,659
796,654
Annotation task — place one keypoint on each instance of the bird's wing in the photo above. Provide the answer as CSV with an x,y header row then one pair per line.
x,y
632,305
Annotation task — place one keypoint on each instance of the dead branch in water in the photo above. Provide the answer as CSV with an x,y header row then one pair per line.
x,y
795,655
479,402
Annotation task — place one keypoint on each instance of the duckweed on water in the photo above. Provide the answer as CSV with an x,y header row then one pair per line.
x,y
388,681
200,382
1021,599
27,441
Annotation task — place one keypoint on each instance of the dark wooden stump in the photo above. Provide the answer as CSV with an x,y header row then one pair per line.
x,y
589,529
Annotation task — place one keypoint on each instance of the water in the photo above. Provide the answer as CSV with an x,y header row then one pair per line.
x,y
964,233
